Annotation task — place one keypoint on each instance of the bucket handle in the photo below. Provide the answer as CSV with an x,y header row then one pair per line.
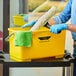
x,y
44,38
7,38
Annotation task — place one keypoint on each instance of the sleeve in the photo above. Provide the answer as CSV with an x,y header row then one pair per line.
x,y
65,15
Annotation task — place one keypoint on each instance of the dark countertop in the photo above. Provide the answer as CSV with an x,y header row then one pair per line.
x,y
47,62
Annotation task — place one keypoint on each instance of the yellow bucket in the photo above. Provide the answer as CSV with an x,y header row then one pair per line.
x,y
18,20
44,44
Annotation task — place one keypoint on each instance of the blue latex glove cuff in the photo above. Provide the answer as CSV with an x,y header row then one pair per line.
x,y
65,26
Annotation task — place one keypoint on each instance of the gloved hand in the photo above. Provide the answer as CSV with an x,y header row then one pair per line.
x,y
57,28
26,18
29,24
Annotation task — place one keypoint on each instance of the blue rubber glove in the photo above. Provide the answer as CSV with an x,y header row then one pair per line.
x,y
26,18
57,28
29,24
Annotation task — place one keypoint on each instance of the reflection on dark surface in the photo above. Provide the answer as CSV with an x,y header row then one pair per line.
x,y
49,59
8,59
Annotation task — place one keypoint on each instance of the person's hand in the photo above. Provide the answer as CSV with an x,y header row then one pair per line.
x,y
26,18
29,24
52,21
57,28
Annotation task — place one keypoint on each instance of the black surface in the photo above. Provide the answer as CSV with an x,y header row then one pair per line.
x,y
50,62
5,70
6,18
37,64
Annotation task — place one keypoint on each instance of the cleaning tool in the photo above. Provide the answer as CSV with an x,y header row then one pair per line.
x,y
26,25
44,19
23,38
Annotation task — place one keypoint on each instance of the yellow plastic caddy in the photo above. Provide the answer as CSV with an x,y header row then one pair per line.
x,y
44,44
18,20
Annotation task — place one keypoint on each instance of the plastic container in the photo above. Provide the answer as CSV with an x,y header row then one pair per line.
x,y
19,20
44,44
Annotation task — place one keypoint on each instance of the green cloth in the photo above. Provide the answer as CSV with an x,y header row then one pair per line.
x,y
23,38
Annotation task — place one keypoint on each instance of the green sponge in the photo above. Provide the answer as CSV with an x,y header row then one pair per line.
x,y
23,38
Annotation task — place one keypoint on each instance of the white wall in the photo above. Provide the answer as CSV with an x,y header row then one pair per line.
x,y
36,71
1,15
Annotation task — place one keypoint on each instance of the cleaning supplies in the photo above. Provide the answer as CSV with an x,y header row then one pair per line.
x,y
44,19
26,25
23,38
44,44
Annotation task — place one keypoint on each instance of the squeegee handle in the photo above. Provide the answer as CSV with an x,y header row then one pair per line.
x,y
7,38
48,26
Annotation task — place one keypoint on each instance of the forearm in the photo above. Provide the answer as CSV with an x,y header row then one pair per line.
x,y
71,27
